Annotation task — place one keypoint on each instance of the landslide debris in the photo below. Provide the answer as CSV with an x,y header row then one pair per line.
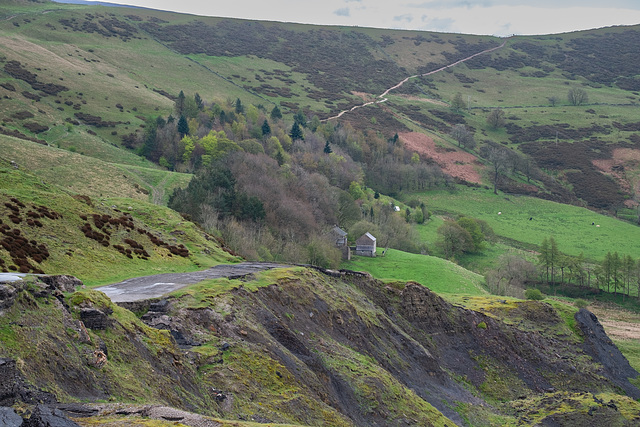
x,y
312,347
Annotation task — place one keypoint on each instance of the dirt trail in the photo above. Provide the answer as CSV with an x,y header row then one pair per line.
x,y
147,287
386,92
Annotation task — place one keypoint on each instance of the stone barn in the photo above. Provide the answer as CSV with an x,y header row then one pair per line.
x,y
339,237
366,245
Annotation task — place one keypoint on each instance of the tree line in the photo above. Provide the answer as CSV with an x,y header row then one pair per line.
x,y
617,274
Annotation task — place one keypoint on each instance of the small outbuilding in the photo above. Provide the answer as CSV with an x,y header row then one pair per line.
x,y
339,237
366,245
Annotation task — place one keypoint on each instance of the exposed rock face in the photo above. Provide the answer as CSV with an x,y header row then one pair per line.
x,y
9,418
62,282
45,416
94,318
599,346
8,381
13,387
7,296
359,347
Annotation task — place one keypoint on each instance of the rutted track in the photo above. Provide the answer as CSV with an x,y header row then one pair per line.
x,y
147,287
386,92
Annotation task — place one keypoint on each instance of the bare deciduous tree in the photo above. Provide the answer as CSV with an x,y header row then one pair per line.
x,y
577,96
499,160
463,136
509,276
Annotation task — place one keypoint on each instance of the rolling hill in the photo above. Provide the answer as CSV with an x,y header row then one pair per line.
x,y
109,115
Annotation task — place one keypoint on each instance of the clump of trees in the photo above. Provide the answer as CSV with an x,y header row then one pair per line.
x,y
466,235
510,276
272,187
463,136
617,274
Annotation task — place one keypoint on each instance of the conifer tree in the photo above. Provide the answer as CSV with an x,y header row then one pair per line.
x,y
266,129
199,101
276,114
180,103
296,132
183,126
327,148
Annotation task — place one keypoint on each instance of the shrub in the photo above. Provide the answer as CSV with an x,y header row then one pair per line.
x,y
580,303
482,325
534,294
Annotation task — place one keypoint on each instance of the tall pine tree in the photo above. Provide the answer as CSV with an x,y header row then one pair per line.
x,y
183,126
296,132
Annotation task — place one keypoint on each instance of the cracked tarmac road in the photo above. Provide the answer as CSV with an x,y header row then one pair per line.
x,y
147,287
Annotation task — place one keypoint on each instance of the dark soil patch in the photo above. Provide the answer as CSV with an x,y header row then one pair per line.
x,y
21,115
384,122
95,120
17,71
106,26
562,131
23,251
17,134
106,225
35,127
415,113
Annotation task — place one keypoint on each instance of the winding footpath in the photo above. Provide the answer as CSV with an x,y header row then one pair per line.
x,y
386,92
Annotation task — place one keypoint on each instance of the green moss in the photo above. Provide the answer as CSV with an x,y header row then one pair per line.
x,y
376,390
500,383
582,408
482,325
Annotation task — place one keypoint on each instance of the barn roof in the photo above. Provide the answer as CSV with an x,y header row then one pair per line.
x,y
368,236
339,231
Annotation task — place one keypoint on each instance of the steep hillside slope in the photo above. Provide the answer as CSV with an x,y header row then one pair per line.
x,y
302,347
87,78
46,230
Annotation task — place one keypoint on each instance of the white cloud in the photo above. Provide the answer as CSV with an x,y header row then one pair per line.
x,y
407,17
497,17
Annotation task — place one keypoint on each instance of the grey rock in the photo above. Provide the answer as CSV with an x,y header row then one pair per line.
x,y
94,318
8,418
62,282
600,347
45,416
8,381
8,295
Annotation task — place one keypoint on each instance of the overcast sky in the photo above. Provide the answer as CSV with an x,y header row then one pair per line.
x,y
497,17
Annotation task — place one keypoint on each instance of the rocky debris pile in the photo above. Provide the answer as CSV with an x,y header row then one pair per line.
x,y
599,346
40,416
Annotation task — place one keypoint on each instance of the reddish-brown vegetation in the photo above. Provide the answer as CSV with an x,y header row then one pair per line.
x,y
23,251
458,164
107,225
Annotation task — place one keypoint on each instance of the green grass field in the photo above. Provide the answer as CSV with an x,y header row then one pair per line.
x,y
437,274
569,225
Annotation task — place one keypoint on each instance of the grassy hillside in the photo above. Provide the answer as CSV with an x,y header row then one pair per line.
x,y
82,78
99,240
439,275
91,176
571,226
